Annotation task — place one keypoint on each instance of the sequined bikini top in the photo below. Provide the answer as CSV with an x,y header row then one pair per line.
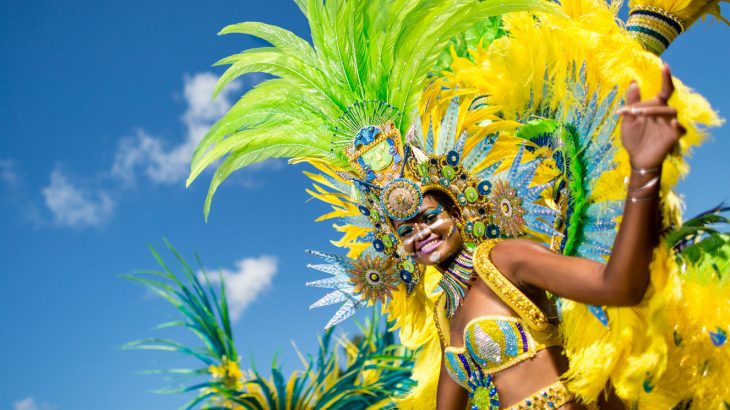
x,y
494,342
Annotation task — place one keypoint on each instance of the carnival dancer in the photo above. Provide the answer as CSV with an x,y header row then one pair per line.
x,y
481,205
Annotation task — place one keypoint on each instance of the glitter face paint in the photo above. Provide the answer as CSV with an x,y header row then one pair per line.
x,y
435,257
452,231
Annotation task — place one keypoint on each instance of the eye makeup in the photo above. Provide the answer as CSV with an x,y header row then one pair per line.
x,y
432,213
404,230
429,216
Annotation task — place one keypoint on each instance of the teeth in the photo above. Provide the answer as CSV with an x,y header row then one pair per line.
x,y
430,246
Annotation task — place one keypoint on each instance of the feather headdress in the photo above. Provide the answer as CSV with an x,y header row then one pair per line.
x,y
671,348
369,62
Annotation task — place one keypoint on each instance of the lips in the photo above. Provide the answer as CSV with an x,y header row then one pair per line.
x,y
429,245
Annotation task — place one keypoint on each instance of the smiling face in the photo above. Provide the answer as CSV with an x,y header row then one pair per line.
x,y
432,235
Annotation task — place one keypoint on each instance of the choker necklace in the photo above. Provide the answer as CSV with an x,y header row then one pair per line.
x,y
456,281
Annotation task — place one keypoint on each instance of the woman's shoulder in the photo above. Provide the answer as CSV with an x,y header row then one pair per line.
x,y
505,255
493,274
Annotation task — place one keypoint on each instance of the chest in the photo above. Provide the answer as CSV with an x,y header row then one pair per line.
x,y
479,301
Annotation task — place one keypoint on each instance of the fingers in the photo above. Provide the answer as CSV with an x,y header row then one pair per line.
x,y
633,95
661,110
679,127
676,150
667,85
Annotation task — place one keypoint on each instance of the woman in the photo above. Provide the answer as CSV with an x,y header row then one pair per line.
x,y
649,131
347,107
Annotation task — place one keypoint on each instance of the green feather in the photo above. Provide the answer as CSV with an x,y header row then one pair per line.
x,y
378,50
243,142
280,38
272,102
273,61
265,144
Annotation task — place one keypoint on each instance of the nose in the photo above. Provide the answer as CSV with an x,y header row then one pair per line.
x,y
423,231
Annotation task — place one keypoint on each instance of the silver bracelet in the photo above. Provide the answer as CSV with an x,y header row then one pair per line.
x,y
651,183
646,171
634,199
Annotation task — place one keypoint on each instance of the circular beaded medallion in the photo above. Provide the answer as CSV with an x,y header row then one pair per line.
x,y
401,199
509,213
373,278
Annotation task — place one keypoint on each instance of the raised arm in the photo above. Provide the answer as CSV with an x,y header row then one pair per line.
x,y
649,131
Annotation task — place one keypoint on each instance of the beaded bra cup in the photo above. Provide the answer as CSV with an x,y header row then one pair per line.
x,y
491,344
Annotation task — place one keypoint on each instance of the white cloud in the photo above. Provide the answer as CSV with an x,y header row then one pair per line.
x,y
30,403
73,206
8,174
249,278
170,164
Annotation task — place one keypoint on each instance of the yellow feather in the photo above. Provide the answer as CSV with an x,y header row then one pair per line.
x,y
513,73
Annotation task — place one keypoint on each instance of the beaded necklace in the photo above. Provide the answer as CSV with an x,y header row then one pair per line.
x,y
456,280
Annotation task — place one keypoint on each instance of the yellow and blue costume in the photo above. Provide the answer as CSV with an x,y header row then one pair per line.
x,y
518,131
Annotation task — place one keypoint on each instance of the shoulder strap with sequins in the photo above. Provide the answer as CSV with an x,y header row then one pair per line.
x,y
441,321
506,290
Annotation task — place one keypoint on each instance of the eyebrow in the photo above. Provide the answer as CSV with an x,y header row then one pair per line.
x,y
438,208
420,215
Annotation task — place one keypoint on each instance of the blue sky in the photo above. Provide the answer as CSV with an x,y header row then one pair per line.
x,y
101,103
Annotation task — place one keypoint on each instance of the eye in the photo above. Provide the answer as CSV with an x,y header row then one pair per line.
x,y
431,215
404,230
429,218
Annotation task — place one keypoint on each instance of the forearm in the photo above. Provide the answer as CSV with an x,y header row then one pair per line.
x,y
620,282
627,270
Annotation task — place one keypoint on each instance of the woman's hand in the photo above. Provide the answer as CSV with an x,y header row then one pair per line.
x,y
649,130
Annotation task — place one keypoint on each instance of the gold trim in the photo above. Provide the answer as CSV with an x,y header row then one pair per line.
x,y
506,290
437,319
550,397
663,12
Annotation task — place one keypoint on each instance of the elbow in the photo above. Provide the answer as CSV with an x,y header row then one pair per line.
x,y
634,296
629,295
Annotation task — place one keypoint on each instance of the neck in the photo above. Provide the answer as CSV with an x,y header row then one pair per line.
x,y
445,264
456,280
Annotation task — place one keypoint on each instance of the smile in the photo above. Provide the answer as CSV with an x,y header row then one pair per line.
x,y
430,245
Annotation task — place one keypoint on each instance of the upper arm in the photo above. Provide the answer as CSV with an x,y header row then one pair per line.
x,y
450,396
574,278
